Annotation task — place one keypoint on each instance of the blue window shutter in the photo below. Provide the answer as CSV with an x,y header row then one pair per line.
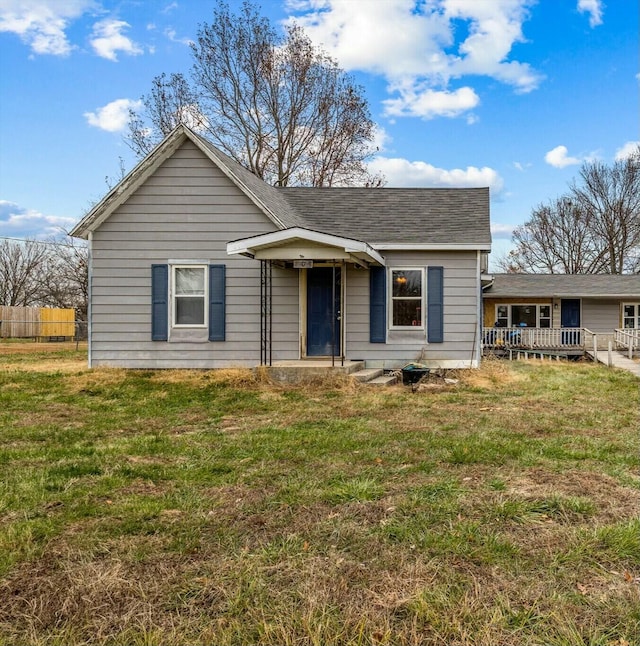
x,y
217,286
377,305
435,308
159,302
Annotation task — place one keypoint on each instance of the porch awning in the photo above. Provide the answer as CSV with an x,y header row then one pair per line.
x,y
303,244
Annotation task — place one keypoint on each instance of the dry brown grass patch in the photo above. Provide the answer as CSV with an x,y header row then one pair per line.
x,y
612,500
31,347
54,365
96,378
492,372
64,415
235,377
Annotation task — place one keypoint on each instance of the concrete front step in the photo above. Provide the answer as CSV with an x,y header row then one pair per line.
x,y
367,374
374,377
308,369
384,380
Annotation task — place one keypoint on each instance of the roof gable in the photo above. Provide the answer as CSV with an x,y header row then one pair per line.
x,y
256,190
401,218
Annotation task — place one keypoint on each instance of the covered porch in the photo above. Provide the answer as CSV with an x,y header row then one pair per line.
x,y
321,261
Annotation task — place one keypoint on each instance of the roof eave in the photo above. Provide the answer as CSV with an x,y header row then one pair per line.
x,y
432,246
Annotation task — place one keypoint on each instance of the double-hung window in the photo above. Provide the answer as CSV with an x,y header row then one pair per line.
x,y
631,315
528,315
407,292
189,295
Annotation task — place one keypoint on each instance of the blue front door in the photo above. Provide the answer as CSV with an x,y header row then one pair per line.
x,y
570,318
323,312
570,312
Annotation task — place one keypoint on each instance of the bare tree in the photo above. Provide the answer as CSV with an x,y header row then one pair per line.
x,y
20,265
610,198
557,239
594,229
64,276
50,273
277,104
170,102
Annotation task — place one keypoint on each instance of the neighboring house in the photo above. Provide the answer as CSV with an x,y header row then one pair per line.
x,y
563,310
197,263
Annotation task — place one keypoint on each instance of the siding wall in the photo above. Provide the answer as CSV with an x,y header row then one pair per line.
x,y
461,313
188,210
601,316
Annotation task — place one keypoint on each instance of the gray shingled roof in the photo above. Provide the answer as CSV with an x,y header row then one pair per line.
x,y
567,285
374,215
396,215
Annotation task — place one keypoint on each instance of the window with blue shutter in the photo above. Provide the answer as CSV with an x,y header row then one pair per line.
x,y
185,309
159,302
435,305
217,286
377,305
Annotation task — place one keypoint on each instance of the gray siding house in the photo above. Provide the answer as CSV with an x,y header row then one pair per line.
x,y
197,263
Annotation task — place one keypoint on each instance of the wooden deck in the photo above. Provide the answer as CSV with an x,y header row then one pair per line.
x,y
536,338
570,341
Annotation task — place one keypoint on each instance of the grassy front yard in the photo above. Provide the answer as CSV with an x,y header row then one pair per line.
x,y
182,508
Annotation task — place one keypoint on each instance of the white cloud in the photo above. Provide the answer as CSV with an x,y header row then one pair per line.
x,y
114,116
360,36
413,45
494,27
171,34
380,138
428,104
405,173
594,9
559,158
41,24
191,116
502,231
169,8
108,39
19,222
627,150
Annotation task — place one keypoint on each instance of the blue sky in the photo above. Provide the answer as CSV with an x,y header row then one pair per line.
x,y
511,94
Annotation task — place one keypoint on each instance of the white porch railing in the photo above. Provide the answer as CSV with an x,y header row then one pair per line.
x,y
536,338
628,339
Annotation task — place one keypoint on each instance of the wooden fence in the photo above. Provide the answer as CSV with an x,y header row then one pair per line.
x,y
36,322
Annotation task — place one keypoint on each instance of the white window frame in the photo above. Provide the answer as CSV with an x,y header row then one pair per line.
x,y
635,317
536,305
422,298
175,296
